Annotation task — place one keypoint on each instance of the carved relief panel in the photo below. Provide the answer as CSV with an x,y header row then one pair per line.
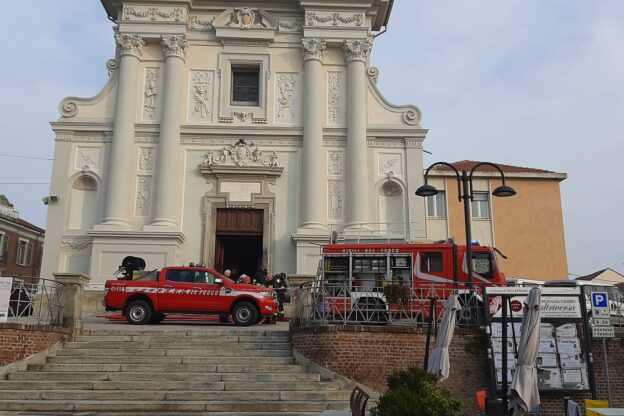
x,y
200,107
146,158
334,163
151,95
143,196
88,158
390,164
336,91
335,201
287,98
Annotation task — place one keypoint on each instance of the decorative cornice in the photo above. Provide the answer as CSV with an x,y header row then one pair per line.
x,y
197,22
153,14
294,26
357,50
313,49
130,44
174,45
334,18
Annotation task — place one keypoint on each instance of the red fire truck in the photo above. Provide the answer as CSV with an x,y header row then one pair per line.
x,y
358,276
187,290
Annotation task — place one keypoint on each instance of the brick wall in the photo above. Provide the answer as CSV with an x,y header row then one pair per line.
x,y
18,341
368,354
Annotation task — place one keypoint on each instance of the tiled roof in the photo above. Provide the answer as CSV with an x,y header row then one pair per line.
x,y
31,226
469,164
591,276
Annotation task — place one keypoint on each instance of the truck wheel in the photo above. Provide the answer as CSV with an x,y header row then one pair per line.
x,y
138,312
245,314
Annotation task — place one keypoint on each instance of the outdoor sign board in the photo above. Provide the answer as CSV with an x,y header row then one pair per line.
x,y
563,361
552,306
601,327
5,297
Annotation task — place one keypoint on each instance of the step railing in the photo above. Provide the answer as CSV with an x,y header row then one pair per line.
x,y
320,303
39,302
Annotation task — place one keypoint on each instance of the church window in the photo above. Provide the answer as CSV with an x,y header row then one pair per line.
x,y
246,85
83,206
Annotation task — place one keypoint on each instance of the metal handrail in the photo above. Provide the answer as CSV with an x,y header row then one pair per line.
x,y
322,303
39,302
388,231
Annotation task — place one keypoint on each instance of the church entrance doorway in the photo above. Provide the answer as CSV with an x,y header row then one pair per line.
x,y
239,235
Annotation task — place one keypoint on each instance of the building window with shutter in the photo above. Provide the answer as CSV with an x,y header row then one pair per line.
x,y
246,85
436,205
4,248
481,205
24,252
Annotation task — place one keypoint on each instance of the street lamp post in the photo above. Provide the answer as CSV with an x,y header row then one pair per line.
x,y
465,193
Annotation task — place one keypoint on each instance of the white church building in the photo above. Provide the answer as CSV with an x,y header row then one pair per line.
x,y
235,133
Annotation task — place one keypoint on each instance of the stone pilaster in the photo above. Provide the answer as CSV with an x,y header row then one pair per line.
x,y
119,192
167,189
356,54
313,211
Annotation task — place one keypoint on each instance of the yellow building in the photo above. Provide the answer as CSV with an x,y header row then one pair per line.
x,y
527,228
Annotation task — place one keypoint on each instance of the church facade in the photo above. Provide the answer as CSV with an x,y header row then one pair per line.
x,y
238,134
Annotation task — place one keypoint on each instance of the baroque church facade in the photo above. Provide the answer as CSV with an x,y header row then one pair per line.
x,y
238,134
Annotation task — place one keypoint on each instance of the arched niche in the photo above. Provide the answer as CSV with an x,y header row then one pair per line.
x,y
83,203
391,207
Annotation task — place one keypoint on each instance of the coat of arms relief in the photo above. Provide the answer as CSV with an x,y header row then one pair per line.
x,y
240,154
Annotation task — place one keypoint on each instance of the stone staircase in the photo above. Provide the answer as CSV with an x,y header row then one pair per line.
x,y
218,372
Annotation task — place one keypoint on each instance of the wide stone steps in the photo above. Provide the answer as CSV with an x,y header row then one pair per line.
x,y
218,372
200,352
171,385
270,407
161,376
170,360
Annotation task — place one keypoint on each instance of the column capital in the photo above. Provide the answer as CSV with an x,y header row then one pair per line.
x,y
313,48
130,44
174,45
357,50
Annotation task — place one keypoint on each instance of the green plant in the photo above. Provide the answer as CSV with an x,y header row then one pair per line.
x,y
476,345
396,294
413,393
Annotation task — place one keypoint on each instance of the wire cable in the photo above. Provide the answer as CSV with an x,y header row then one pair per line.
x,y
25,157
24,183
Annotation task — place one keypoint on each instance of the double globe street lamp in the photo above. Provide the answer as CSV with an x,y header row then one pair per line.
x,y
465,192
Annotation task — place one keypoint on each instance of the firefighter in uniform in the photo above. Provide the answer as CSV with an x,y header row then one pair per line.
x,y
279,284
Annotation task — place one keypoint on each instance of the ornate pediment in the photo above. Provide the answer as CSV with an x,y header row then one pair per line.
x,y
245,24
241,159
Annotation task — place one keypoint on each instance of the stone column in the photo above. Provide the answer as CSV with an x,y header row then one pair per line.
x,y
167,185
72,292
356,53
121,169
313,211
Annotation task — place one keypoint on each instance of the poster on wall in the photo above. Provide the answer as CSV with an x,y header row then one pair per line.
x,y
5,297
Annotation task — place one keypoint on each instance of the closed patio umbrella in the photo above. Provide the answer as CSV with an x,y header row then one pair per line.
x,y
523,394
439,362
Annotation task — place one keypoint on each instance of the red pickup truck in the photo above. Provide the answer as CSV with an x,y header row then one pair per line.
x,y
188,290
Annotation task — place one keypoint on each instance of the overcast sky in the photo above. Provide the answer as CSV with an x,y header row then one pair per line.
x,y
532,83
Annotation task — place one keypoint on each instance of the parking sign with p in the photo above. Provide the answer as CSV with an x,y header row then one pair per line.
x,y
600,304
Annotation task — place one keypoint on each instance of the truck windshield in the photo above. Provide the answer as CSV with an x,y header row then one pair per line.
x,y
484,264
